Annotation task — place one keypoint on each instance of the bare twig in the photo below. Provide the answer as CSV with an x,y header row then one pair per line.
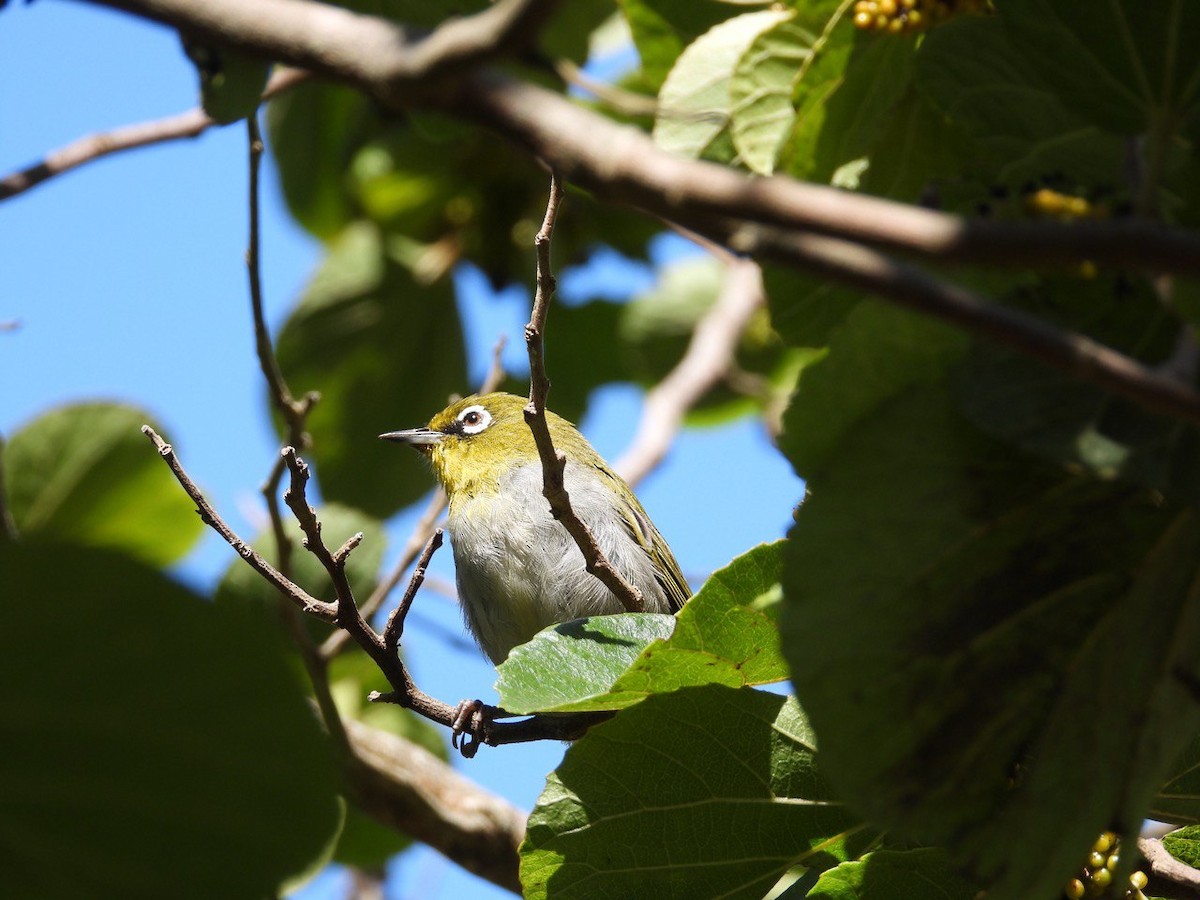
x,y
554,461
908,286
326,612
709,355
617,99
395,623
1169,877
336,642
157,131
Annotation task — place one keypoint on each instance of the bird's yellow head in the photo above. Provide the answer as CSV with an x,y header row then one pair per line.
x,y
474,442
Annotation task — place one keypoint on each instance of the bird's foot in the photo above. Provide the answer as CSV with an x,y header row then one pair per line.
x,y
471,726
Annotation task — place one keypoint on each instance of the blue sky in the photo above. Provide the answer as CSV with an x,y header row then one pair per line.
x,y
128,281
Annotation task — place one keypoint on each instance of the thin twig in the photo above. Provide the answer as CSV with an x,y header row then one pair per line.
x,y
157,131
618,99
326,612
710,354
906,285
394,630
554,461
295,415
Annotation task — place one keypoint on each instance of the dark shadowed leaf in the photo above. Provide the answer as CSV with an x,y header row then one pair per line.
x,y
231,82
703,792
385,353
86,474
145,731
928,560
894,875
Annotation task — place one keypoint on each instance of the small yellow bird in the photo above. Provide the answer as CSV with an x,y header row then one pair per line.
x,y
518,570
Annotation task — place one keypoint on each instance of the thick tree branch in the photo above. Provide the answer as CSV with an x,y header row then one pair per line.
x,y
95,146
1168,876
906,285
619,163
554,462
408,788
709,356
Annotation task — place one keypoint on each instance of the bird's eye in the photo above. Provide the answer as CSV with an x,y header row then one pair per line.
x,y
474,419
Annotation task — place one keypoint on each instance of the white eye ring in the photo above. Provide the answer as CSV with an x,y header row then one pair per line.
x,y
474,419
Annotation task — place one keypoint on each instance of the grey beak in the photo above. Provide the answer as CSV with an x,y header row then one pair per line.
x,y
414,437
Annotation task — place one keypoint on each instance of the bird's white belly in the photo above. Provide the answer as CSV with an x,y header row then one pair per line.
x,y
519,571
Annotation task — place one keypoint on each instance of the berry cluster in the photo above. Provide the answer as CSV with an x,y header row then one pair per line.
x,y
1097,875
908,16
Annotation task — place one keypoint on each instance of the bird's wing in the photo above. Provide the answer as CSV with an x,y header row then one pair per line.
x,y
666,569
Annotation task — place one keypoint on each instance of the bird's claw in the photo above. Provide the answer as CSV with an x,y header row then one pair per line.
x,y
470,726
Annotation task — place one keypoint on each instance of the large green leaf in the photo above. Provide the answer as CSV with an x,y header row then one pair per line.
x,y
142,728
1071,422
704,792
845,98
314,131
695,103
726,634
997,642
1178,800
876,353
231,82
923,874
84,473
760,92
1123,64
385,353
973,74
662,28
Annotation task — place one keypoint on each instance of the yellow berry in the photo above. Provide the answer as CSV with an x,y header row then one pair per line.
x,y
887,7
1112,862
1138,880
1096,861
1102,879
863,20
1074,889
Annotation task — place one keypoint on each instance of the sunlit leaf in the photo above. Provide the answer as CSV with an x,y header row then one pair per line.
x,y
85,473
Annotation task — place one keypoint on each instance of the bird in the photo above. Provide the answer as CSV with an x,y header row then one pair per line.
x,y
517,568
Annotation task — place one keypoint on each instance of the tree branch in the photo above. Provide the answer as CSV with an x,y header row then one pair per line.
x,y
905,285
95,146
326,612
409,789
1168,876
554,462
708,358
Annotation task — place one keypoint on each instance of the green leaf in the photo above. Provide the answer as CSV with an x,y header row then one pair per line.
x,y
1178,800
85,473
662,28
695,103
760,92
731,772
877,352
916,150
231,82
993,672
845,98
139,725
1123,64
894,875
805,311
1073,423
314,131
385,353
1184,845
973,75
567,665
725,634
